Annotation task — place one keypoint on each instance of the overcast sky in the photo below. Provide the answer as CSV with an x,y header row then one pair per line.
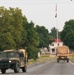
x,y
42,12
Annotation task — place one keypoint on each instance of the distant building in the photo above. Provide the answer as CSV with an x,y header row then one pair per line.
x,y
53,46
44,50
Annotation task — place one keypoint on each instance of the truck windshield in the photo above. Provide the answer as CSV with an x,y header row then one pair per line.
x,y
9,54
12,54
3,55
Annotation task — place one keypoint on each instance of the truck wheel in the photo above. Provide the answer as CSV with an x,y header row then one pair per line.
x,y
3,71
24,68
16,68
57,60
67,60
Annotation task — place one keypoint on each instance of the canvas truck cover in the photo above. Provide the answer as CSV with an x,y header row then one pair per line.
x,y
62,51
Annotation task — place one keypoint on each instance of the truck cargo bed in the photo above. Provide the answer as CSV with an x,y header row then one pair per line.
x,y
63,53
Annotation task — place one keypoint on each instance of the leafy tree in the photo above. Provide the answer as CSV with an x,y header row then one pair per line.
x,y
53,33
6,29
7,41
24,33
17,24
11,21
16,32
32,52
43,36
32,35
67,34
32,40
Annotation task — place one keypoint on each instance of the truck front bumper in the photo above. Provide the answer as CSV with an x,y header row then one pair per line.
x,y
6,64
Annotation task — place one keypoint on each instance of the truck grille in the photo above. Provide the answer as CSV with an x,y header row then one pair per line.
x,y
4,63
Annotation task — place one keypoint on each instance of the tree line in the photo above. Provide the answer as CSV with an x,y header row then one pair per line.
x,y
66,35
16,32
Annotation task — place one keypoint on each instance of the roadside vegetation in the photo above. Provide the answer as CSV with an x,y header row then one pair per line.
x,y
67,34
71,58
42,58
16,32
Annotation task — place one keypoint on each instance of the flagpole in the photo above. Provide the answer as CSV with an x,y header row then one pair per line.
x,y
56,24
57,21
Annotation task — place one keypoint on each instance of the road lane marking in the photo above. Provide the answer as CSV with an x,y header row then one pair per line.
x,y
71,63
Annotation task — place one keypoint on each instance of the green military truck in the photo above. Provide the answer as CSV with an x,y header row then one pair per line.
x,y
12,59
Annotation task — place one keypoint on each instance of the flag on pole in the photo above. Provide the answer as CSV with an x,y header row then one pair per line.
x,y
56,11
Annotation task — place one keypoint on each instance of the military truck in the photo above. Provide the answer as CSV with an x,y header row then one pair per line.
x,y
13,59
24,53
63,53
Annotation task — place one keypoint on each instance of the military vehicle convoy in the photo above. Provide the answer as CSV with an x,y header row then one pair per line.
x,y
63,53
13,59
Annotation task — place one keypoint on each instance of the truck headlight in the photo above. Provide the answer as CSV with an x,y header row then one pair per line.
x,y
10,61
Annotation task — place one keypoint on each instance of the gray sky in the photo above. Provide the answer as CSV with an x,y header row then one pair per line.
x,y
42,12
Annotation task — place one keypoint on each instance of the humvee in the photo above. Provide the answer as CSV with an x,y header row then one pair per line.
x,y
13,59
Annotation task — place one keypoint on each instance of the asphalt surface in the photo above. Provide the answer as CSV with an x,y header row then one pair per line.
x,y
46,68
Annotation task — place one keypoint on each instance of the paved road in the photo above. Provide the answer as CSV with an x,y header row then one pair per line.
x,y
47,68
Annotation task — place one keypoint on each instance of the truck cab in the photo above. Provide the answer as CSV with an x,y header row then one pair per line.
x,y
13,59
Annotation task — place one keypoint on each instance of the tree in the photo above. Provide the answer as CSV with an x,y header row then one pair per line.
x,y
17,22
32,52
32,35
53,33
43,36
67,34
11,28
16,32
6,29
32,40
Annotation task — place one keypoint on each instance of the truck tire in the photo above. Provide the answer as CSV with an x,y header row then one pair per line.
x,y
67,60
24,68
57,60
17,68
3,71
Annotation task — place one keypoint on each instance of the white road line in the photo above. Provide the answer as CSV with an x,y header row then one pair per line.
x,y
71,63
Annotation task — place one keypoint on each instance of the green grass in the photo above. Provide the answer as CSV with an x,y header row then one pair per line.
x,y
43,58
71,58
